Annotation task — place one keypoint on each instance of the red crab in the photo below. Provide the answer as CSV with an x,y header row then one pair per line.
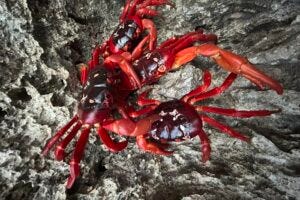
x,y
178,120
97,105
177,51
127,37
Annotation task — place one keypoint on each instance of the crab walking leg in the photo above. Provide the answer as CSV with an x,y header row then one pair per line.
x,y
224,128
144,101
151,146
205,145
176,40
96,54
60,149
230,62
125,66
125,11
138,113
126,127
77,156
156,3
138,51
168,42
58,135
235,113
83,74
197,37
200,89
149,25
109,143
215,91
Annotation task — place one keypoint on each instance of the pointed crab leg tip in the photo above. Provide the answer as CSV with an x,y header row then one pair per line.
x,y
205,159
70,182
246,139
59,154
279,90
167,153
44,152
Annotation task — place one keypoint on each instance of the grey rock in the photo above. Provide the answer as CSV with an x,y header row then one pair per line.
x,y
43,41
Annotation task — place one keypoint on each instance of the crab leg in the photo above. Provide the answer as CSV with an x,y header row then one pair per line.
x,y
83,74
144,101
95,55
206,83
235,113
109,143
156,3
138,51
150,146
224,128
196,37
58,135
60,149
142,111
126,127
205,145
230,62
77,156
215,91
125,11
125,66
149,25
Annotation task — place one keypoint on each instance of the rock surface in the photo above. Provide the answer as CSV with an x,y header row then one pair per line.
x,y
41,43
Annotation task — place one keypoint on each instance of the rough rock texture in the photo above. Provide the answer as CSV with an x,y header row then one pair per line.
x,y
41,43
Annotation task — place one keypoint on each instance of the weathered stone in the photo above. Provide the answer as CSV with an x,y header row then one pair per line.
x,y
41,43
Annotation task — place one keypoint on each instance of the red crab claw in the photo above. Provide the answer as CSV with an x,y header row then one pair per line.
x,y
125,67
230,62
126,127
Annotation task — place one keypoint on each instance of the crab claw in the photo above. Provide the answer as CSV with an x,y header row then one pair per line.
x,y
230,62
126,127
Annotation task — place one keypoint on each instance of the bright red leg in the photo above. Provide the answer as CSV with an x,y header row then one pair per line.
x,y
194,38
236,113
77,156
126,127
149,25
150,146
125,11
224,128
168,42
217,90
143,111
125,67
58,135
109,143
60,149
144,101
228,61
83,74
147,12
205,145
138,51
156,3
96,54
206,83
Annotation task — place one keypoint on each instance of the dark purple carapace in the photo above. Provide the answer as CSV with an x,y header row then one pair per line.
x,y
124,36
148,65
95,104
178,121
